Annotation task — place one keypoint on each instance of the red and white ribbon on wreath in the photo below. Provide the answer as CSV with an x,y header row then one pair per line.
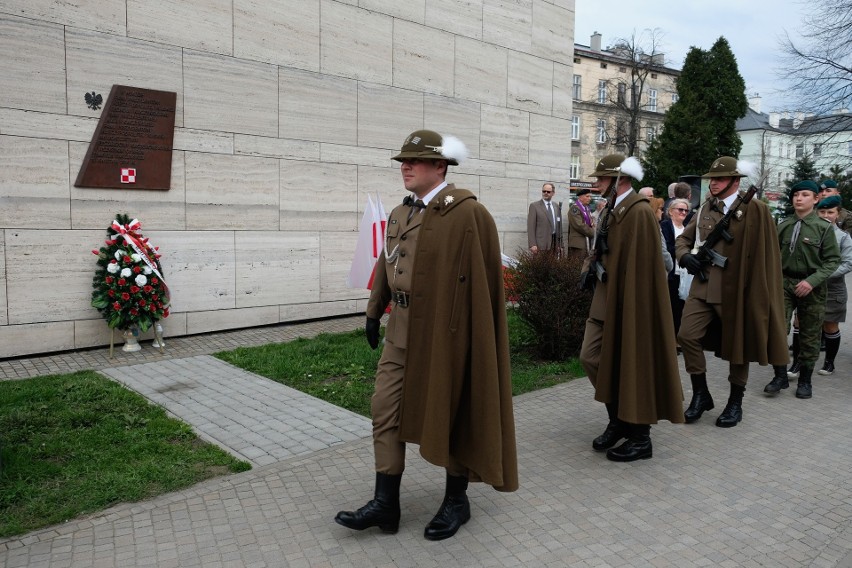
x,y
128,232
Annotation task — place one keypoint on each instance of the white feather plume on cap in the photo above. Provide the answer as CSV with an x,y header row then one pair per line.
x,y
748,169
631,166
453,148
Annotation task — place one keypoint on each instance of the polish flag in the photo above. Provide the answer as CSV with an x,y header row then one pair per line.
x,y
371,243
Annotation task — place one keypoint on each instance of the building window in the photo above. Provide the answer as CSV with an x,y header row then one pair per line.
x,y
849,148
769,146
603,65
817,149
622,93
575,127
576,60
620,133
674,98
622,69
652,134
578,87
800,150
653,75
575,167
601,135
602,92
779,179
652,100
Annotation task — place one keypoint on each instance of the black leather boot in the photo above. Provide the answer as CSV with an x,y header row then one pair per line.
x,y
804,388
733,412
779,381
637,446
382,511
701,399
615,430
454,511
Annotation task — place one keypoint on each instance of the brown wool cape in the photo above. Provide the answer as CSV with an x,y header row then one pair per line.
x,y
457,391
638,358
753,327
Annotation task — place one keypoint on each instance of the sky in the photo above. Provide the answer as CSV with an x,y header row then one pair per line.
x,y
753,28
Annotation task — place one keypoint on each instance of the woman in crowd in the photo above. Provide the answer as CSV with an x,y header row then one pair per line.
x,y
672,227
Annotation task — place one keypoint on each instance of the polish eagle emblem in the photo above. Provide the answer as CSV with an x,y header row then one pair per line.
x,y
94,100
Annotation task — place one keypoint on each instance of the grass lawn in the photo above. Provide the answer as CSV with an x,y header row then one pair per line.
x,y
78,443
340,368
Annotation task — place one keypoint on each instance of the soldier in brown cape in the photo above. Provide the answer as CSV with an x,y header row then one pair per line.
x,y
739,311
451,391
629,347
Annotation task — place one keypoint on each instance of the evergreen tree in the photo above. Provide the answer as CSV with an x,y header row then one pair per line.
x,y
701,125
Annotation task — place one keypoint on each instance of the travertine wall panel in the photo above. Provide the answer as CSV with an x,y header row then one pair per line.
x,y
464,181
336,153
462,17
514,243
198,267
460,118
36,338
276,147
4,314
386,115
223,93
17,122
562,90
506,200
100,15
206,25
480,73
318,107
34,78
336,259
552,31
207,141
92,333
530,83
508,23
97,61
356,43
315,194
386,181
204,322
40,289
276,267
505,135
231,192
284,32
95,208
482,168
412,10
529,171
33,183
297,312
550,141
423,58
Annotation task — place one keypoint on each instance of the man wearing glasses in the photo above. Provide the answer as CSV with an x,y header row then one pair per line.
x,y
544,221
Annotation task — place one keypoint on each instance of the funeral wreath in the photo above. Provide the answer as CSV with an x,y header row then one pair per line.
x,y
129,290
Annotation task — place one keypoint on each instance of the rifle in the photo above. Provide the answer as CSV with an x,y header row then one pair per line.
x,y
601,247
705,253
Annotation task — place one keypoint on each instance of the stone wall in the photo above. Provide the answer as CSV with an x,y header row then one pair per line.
x,y
288,112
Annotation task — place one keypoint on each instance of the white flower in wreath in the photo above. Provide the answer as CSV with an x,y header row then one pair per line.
x,y
135,256
113,267
146,269
448,199
119,254
126,272
141,280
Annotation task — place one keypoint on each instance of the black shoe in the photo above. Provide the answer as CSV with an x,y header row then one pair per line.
x,y
382,511
779,381
732,415
454,511
804,388
635,448
793,373
827,368
614,432
701,401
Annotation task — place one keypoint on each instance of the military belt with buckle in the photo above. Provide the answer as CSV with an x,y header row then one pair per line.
x,y
401,299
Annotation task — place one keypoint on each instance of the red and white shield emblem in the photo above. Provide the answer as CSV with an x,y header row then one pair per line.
x,y
128,175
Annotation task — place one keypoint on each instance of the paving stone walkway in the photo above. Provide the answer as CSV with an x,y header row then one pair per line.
x,y
774,491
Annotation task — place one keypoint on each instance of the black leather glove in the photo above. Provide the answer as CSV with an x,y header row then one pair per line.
x,y
372,329
691,263
587,281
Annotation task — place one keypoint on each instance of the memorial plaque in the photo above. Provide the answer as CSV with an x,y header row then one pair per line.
x,y
132,145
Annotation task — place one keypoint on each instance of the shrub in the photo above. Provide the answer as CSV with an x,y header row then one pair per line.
x,y
549,299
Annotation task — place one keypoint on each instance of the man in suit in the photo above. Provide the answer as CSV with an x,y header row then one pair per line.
x,y
580,227
451,392
544,221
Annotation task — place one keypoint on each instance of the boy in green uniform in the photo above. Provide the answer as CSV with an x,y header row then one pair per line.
x,y
809,255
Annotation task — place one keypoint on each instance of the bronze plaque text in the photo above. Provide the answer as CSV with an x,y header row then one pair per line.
x,y
132,145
